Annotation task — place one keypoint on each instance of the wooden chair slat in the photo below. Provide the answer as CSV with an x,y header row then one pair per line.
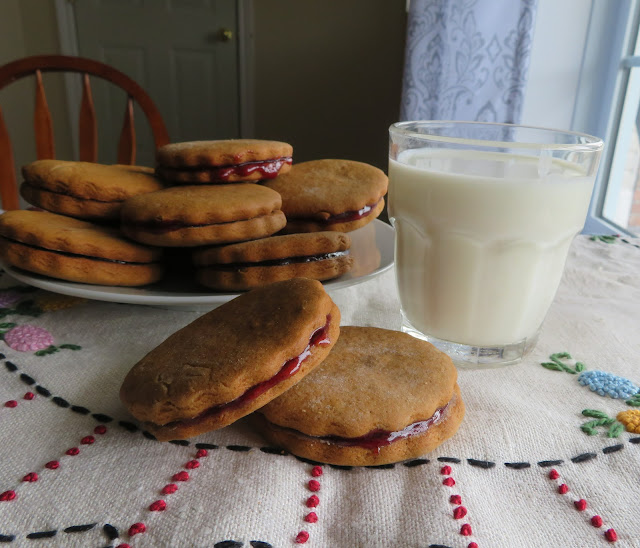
x,y
8,186
88,124
127,143
43,126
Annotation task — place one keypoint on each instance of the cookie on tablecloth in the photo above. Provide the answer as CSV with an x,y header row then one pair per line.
x,y
316,255
75,250
187,216
379,397
224,161
232,360
340,195
84,190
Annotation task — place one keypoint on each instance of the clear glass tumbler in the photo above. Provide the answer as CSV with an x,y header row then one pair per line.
x,y
484,216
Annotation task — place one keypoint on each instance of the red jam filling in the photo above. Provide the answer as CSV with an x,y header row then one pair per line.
x,y
347,216
268,169
378,438
281,262
320,337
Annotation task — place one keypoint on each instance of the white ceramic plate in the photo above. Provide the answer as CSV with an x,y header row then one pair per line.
x,y
371,248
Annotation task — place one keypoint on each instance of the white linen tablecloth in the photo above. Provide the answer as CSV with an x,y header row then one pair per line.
x,y
526,468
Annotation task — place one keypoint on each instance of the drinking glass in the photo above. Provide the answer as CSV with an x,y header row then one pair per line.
x,y
484,215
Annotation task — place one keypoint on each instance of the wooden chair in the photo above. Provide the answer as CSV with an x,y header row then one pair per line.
x,y
88,134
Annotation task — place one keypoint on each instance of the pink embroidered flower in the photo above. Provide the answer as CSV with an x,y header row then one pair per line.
x,y
9,298
25,338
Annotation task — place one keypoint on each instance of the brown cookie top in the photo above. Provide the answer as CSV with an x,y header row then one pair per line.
x,y
221,153
275,247
67,235
222,354
372,379
91,181
201,205
320,189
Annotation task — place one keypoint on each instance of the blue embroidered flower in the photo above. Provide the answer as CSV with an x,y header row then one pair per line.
x,y
607,384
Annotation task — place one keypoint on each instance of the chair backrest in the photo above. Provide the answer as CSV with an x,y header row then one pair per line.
x,y
88,131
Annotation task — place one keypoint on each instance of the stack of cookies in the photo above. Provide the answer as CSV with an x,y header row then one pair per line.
x,y
240,211
351,396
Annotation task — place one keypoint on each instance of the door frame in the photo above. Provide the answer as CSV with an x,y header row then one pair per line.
x,y
68,38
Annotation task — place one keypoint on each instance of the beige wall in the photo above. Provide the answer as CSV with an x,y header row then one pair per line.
x,y
328,75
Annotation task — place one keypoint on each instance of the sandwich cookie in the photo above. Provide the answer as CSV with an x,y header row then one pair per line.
x,y
316,255
232,360
186,216
84,190
225,161
75,250
339,195
379,397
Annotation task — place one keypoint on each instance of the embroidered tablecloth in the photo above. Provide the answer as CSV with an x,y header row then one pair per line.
x,y
547,455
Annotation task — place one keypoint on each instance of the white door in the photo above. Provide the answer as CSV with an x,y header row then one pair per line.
x,y
184,53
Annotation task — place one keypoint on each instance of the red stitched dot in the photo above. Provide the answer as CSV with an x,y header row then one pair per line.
x,y
564,488
445,470
201,453
72,452
123,546
169,489
137,528
455,499
313,501
7,495
611,535
554,474
459,512
580,504
158,506
11,403
302,537
473,545
596,521
31,477
316,471
192,464
449,482
311,517
314,485
181,476
29,396
87,440
100,429
466,530
52,465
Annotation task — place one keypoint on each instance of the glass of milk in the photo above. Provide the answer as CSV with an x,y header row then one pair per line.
x,y
484,215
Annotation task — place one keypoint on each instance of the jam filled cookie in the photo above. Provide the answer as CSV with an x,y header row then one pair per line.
x,y
339,195
232,360
75,250
379,397
226,161
186,216
317,255
84,190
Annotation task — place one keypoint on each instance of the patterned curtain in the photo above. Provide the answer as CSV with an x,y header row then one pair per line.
x,y
467,59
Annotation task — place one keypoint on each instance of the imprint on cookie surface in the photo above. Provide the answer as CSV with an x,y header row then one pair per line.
x,y
268,169
78,255
375,439
169,225
320,337
280,262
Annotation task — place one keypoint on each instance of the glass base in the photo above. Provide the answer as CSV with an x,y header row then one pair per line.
x,y
468,356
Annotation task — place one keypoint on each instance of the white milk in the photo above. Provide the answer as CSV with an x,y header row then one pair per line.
x,y
479,256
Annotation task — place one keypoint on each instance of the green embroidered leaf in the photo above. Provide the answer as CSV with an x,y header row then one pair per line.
x,y
552,365
560,356
46,351
579,367
594,413
634,401
615,430
71,346
7,325
588,430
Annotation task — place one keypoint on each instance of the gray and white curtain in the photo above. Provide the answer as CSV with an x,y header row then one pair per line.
x,y
467,59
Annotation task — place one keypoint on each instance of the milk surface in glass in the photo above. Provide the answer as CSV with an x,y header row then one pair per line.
x,y
481,240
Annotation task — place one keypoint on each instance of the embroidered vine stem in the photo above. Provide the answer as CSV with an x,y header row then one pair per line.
x,y
556,363
52,349
615,428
